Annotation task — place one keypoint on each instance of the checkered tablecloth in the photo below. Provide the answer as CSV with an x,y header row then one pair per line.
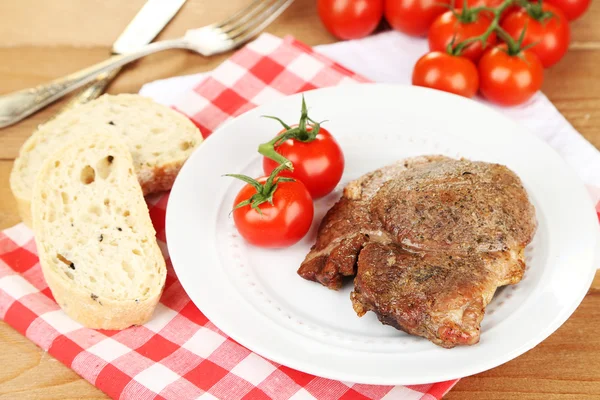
x,y
180,354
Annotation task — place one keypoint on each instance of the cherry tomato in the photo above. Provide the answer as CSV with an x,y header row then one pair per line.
x,y
318,164
413,17
447,27
552,34
490,4
442,71
350,19
280,224
509,80
572,9
481,3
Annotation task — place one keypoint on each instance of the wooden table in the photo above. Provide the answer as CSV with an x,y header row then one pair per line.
x,y
41,40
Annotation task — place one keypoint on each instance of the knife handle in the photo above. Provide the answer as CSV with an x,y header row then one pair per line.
x,y
91,91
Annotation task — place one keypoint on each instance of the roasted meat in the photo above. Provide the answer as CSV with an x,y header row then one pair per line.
x,y
429,240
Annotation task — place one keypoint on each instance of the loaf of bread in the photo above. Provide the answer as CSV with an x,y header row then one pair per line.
x,y
95,240
159,139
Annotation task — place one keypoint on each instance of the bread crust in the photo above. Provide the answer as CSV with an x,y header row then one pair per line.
x,y
159,179
153,177
101,313
24,210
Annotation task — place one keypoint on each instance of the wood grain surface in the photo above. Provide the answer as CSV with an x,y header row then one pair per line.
x,y
42,40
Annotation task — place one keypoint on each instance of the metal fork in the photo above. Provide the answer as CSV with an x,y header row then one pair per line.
x,y
211,39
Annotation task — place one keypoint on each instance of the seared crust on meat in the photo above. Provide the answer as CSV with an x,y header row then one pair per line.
x,y
429,239
349,224
456,206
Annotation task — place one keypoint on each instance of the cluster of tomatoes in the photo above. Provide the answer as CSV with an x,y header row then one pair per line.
x,y
497,47
303,162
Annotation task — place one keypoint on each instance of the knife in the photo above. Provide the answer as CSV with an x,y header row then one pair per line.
x,y
142,29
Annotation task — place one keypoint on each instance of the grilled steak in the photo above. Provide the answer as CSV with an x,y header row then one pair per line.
x,y
429,239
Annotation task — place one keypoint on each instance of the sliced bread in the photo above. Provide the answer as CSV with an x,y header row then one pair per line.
x,y
95,240
159,139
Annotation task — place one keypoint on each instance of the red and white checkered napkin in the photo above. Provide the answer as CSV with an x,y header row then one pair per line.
x,y
180,354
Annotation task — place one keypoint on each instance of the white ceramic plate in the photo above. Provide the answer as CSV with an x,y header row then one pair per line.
x,y
256,297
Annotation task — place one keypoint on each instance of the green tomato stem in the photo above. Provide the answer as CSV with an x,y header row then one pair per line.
x,y
514,47
264,192
300,133
268,188
268,150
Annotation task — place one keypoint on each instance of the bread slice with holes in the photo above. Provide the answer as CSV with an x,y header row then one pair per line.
x,y
159,139
95,240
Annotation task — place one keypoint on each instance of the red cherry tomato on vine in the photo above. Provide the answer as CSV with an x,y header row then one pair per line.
x,y
552,33
490,4
509,80
480,3
318,164
350,19
572,9
280,224
448,27
413,17
442,71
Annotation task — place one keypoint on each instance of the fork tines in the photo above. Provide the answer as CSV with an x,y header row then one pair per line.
x,y
246,23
